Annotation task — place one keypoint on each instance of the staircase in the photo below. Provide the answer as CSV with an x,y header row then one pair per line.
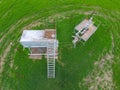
x,y
51,60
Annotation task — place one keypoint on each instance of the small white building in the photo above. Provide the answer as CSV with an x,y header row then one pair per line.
x,y
42,42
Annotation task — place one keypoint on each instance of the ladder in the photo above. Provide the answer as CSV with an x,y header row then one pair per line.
x,y
51,60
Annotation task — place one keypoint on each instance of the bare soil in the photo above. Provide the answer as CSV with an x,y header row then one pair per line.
x,y
102,75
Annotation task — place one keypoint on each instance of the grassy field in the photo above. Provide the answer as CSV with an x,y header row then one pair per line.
x,y
92,66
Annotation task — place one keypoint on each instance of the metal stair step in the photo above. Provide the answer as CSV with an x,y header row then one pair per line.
x,y
51,60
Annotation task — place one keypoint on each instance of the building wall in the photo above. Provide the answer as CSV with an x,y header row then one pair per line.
x,y
37,44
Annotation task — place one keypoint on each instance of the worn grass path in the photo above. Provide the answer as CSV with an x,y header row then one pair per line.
x,y
11,33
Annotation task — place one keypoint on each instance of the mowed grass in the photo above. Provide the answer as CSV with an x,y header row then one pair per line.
x,y
27,74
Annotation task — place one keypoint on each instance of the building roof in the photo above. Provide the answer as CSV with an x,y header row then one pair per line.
x,y
89,32
80,26
32,35
38,35
91,28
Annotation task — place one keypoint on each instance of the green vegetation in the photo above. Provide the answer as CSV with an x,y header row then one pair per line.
x,y
19,72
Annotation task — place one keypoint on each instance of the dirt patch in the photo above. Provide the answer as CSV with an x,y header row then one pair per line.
x,y
101,76
16,67
4,55
11,63
89,12
35,57
112,38
61,63
34,24
39,50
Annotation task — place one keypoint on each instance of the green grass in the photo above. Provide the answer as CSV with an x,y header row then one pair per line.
x,y
27,74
